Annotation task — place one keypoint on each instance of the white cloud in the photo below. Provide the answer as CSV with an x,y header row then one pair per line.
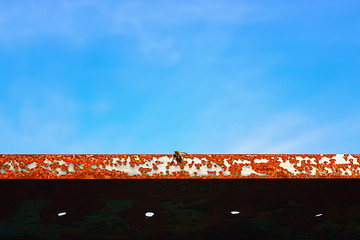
x,y
157,29
36,119
69,17
294,132
41,119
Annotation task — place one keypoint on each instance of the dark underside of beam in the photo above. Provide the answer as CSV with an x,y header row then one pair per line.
x,y
183,209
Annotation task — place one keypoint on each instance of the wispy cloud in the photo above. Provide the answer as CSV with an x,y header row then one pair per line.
x,y
158,29
74,18
89,76
48,118
51,121
295,132
36,119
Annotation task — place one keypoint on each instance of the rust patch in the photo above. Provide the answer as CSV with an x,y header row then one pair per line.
x,y
160,166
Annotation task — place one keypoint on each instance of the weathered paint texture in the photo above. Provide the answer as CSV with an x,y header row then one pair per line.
x,y
144,166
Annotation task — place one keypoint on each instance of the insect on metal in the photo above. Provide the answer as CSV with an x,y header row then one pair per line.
x,y
178,157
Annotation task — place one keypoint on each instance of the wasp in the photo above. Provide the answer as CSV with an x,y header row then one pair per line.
x,y
178,157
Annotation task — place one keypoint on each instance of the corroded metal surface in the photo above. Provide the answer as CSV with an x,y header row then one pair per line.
x,y
145,166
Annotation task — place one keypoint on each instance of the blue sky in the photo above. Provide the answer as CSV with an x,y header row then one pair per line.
x,y
197,76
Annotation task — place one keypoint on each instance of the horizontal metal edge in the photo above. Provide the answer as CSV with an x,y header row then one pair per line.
x,y
165,166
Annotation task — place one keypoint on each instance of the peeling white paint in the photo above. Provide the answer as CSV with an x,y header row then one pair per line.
x,y
247,171
239,161
324,159
261,161
227,165
60,172
345,172
339,159
71,168
11,167
306,159
61,162
47,161
354,160
32,165
313,171
288,166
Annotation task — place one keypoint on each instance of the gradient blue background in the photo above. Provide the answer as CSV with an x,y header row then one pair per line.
x,y
197,76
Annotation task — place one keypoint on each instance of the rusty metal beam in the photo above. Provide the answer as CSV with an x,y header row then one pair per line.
x,y
161,166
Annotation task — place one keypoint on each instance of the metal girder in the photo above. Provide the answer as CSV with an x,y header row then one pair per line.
x,y
163,166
